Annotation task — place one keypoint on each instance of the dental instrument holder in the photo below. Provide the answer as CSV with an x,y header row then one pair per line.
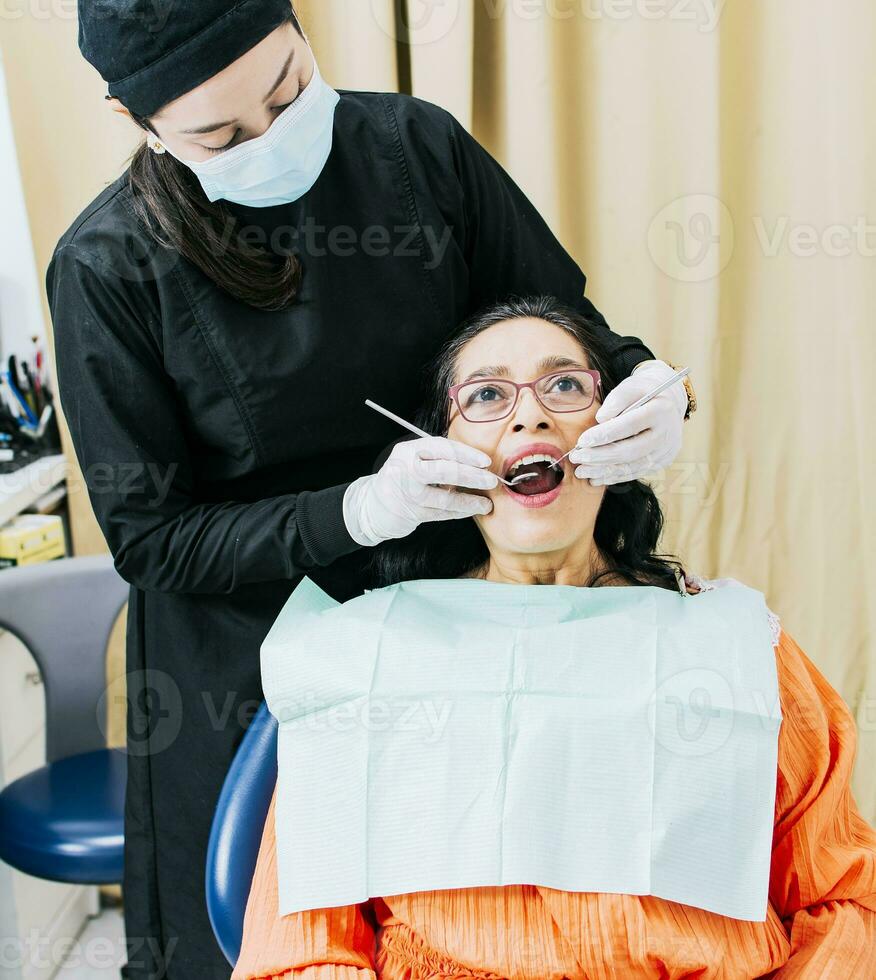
x,y
38,438
419,432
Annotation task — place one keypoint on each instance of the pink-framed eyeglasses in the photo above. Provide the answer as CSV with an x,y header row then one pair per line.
x,y
492,399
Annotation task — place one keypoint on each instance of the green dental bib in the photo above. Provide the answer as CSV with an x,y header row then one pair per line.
x,y
461,733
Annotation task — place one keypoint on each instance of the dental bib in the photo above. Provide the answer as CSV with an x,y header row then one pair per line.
x,y
460,733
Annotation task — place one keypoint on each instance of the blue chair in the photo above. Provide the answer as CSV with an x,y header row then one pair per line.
x,y
236,832
65,821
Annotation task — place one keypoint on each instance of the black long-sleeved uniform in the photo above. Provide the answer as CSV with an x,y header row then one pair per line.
x,y
217,440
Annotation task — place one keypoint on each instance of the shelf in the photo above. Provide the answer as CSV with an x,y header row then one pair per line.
x,y
24,487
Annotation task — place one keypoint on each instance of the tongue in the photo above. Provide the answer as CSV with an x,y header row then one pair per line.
x,y
546,479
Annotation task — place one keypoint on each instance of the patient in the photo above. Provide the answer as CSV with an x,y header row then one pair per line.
x,y
559,530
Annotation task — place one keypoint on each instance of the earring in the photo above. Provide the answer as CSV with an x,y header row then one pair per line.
x,y
154,144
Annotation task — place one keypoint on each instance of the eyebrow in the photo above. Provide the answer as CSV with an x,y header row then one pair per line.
x,y
546,364
212,127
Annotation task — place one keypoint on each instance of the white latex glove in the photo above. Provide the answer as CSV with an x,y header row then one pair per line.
x,y
401,495
644,440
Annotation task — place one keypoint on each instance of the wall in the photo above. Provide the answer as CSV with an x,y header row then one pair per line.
x,y
21,310
69,145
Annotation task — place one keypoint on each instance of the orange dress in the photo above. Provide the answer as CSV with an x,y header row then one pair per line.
x,y
821,920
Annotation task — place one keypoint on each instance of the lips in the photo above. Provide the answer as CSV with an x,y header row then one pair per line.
x,y
544,487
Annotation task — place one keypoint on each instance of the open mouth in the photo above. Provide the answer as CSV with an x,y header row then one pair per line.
x,y
546,477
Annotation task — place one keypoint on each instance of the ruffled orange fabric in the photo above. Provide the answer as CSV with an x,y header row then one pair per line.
x,y
821,921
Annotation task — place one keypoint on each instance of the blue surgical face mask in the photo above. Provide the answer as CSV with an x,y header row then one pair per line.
x,y
284,162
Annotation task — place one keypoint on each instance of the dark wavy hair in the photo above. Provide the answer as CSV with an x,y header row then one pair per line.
x,y
628,525
171,205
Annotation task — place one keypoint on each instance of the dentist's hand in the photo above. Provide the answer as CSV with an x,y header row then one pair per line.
x,y
402,494
640,442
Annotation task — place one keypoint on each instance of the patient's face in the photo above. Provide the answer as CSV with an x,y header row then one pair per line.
x,y
565,508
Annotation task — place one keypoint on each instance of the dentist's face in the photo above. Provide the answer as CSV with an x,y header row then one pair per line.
x,y
564,509
241,101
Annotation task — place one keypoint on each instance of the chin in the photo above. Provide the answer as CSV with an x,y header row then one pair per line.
x,y
530,537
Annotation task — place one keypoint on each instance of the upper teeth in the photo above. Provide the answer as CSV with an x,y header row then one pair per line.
x,y
536,458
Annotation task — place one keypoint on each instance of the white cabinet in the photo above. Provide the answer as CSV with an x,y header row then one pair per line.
x,y
22,708
36,916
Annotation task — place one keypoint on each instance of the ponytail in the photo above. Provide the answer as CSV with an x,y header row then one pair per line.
x,y
172,206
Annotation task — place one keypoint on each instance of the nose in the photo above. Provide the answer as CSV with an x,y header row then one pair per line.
x,y
529,413
258,123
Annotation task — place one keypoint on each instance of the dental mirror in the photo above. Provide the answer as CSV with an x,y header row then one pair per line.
x,y
419,432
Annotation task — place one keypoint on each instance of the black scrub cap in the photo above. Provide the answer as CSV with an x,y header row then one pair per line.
x,y
152,51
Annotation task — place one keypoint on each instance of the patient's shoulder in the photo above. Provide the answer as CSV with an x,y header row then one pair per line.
x,y
697,583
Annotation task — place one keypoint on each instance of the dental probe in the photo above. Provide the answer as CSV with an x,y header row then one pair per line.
x,y
668,383
420,432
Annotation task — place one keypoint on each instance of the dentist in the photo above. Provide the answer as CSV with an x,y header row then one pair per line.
x,y
275,252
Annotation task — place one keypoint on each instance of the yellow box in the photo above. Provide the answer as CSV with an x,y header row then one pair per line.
x,y
31,538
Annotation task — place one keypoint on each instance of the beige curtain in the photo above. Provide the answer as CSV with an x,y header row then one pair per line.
x,y
709,164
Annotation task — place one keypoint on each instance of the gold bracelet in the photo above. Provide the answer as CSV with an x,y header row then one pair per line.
x,y
691,394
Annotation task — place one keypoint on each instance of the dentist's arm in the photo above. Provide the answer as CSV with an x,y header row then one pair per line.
x,y
641,441
510,250
127,431
404,492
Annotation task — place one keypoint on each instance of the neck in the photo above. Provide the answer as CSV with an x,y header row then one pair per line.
x,y
569,566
